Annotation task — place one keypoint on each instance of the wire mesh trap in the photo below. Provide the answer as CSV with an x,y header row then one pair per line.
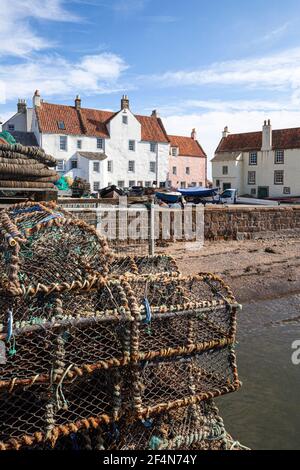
x,y
42,247
96,345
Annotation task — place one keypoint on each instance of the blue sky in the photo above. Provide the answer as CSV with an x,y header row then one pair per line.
x,y
201,64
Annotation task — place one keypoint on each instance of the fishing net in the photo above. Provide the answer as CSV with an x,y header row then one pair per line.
x,y
94,349
42,247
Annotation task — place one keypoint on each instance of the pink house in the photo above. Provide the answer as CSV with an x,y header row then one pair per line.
x,y
187,162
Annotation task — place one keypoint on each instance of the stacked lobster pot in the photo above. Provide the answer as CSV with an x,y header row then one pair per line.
x,y
95,349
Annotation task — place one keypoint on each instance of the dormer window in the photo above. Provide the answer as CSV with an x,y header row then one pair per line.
x,y
61,125
174,151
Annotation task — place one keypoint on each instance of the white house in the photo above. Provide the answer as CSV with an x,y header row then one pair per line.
x,y
106,147
262,164
103,147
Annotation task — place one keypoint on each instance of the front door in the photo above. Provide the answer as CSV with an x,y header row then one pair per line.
x,y
263,192
226,186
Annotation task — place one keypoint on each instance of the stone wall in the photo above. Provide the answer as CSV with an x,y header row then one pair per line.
x,y
239,222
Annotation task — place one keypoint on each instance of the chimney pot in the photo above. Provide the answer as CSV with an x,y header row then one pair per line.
x,y
125,102
225,132
194,134
22,106
77,102
36,100
155,113
267,136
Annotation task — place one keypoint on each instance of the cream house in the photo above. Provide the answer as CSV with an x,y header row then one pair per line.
x,y
261,164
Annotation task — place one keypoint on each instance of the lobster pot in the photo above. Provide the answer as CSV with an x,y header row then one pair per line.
x,y
40,413
41,248
179,381
196,426
186,315
143,265
89,330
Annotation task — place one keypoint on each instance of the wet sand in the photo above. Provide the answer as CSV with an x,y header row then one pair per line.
x,y
254,269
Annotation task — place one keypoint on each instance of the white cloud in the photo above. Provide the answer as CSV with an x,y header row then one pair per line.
x,y
210,125
55,76
17,36
280,70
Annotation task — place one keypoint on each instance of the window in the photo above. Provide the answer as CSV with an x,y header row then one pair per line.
x,y
187,170
110,166
79,144
131,166
100,144
61,125
152,167
225,170
140,183
148,184
152,147
218,183
74,164
96,167
200,183
279,177
125,119
131,145
192,185
162,184
60,165
286,190
174,170
131,183
253,158
279,157
96,185
11,127
121,184
183,184
63,142
253,192
174,151
251,177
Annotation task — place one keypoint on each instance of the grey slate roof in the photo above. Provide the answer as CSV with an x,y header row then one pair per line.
x,y
25,138
93,155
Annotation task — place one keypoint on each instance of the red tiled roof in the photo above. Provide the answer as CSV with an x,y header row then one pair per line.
x,y
187,146
91,122
281,139
152,129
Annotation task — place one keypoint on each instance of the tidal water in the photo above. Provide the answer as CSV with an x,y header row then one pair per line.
x,y
265,412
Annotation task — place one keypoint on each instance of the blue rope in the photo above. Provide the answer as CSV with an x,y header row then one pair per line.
x,y
148,311
51,217
28,209
10,322
74,442
148,423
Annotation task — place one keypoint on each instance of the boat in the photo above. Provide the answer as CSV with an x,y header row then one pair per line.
x,y
111,192
169,198
198,192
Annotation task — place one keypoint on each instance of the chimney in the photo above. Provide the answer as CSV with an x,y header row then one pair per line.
x,y
77,102
36,100
155,113
125,102
225,132
267,136
22,106
194,134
